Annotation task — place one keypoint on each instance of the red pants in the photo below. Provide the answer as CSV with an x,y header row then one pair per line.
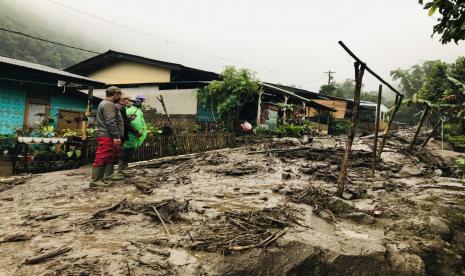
x,y
107,152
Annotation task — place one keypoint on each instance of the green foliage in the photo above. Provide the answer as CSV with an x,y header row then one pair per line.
x,y
451,24
228,95
435,84
14,17
338,126
292,130
411,80
458,143
459,167
153,130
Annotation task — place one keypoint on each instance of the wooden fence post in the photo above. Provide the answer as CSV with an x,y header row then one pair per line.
x,y
433,132
375,144
397,103
359,71
420,124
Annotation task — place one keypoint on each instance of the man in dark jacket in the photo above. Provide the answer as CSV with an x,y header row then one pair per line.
x,y
110,127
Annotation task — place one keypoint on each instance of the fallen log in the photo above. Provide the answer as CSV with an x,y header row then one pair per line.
x,y
280,150
108,209
47,255
15,238
50,216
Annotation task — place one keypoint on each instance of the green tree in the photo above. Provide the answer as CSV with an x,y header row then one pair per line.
x,y
228,95
411,82
435,84
451,24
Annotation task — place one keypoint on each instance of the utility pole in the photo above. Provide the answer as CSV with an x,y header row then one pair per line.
x,y
329,76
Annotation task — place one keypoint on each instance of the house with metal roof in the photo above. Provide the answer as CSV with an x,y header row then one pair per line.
x,y
151,78
32,94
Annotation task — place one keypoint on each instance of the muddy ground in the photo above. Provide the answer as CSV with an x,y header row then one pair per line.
x,y
253,210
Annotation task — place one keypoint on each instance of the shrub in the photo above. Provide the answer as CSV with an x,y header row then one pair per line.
x,y
458,143
296,130
338,126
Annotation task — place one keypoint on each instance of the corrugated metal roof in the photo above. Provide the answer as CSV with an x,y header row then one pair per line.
x,y
46,69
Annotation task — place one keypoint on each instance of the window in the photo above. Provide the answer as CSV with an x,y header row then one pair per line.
x,y
37,112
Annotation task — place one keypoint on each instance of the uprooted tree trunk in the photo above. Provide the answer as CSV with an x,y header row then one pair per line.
x,y
359,71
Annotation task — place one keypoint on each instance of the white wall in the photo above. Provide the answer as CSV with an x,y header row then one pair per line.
x,y
177,101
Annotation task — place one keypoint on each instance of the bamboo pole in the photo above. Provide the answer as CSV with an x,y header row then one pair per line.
x,y
375,144
398,102
433,132
420,124
359,71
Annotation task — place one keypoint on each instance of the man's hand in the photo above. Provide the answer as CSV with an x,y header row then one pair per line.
x,y
117,141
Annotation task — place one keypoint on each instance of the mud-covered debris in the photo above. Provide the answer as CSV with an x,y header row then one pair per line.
x,y
93,225
324,203
238,231
17,237
8,183
169,209
238,169
216,159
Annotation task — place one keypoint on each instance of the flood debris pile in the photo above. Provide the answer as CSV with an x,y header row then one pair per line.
x,y
169,210
240,231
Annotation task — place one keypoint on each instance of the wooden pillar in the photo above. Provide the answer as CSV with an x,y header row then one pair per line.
x,y
420,124
397,103
377,118
286,98
88,112
435,128
304,105
259,108
359,71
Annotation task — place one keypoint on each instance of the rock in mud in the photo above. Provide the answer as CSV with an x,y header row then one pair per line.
x,y
410,171
340,206
361,218
438,226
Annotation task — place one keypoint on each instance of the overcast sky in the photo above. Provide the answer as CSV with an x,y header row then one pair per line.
x,y
290,42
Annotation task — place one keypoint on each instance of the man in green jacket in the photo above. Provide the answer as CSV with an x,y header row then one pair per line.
x,y
135,138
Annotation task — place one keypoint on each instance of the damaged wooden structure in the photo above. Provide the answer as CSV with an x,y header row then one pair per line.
x,y
360,68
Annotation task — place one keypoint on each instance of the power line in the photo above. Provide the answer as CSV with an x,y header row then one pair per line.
x,y
168,41
48,41
312,81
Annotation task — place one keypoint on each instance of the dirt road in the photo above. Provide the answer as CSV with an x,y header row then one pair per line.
x,y
243,211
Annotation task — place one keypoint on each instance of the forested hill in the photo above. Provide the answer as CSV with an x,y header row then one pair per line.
x,y
23,48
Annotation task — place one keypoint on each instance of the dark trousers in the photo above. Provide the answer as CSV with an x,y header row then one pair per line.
x,y
126,154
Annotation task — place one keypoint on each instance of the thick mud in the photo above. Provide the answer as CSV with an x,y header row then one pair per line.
x,y
254,210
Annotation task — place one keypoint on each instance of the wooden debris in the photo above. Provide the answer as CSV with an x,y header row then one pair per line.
x,y
162,252
16,238
108,209
50,216
280,150
264,243
47,255
161,220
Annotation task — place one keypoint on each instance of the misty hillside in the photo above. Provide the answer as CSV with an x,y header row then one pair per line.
x,y
23,48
